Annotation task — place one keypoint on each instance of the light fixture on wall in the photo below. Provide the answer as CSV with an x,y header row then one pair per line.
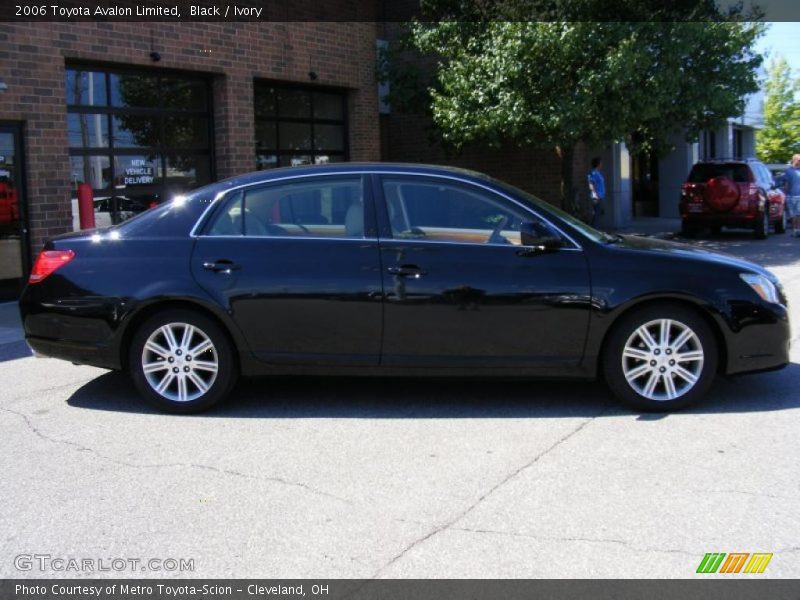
x,y
3,86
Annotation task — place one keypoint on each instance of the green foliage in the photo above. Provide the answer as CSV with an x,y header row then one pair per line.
x,y
559,82
780,137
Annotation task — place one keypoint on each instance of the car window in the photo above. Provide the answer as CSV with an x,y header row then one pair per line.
x,y
314,207
701,173
766,176
446,212
229,221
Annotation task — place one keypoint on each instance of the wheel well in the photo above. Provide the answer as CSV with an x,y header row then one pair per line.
x,y
712,324
147,312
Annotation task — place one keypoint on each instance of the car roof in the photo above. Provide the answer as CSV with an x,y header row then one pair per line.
x,y
347,167
718,161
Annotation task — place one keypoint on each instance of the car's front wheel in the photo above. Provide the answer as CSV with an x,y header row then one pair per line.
x,y
181,361
660,358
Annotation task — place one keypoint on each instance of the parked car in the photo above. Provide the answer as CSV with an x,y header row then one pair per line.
x,y
392,269
731,193
777,171
9,205
107,209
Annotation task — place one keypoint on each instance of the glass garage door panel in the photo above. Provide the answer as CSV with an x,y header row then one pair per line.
x,y
11,248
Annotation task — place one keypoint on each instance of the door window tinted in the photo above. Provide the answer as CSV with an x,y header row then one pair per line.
x,y
329,207
441,211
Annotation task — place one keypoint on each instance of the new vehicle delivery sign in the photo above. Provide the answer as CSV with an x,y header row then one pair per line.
x,y
140,172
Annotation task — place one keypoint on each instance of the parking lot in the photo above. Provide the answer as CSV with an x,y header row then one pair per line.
x,y
400,478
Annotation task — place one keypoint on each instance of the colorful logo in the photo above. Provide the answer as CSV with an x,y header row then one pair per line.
x,y
716,562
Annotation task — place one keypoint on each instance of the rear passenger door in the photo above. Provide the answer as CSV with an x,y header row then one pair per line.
x,y
296,263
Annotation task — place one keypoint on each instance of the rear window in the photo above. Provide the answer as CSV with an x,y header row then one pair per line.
x,y
703,172
173,218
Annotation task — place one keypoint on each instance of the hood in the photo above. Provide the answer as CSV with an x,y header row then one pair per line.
x,y
648,245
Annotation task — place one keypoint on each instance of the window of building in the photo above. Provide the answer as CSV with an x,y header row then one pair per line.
x,y
709,144
298,126
738,143
136,137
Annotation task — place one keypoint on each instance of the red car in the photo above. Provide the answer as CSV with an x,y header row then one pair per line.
x,y
9,207
731,193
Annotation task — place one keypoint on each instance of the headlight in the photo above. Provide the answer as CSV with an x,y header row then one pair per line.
x,y
762,286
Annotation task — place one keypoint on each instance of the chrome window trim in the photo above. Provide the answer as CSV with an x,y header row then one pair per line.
x,y
220,195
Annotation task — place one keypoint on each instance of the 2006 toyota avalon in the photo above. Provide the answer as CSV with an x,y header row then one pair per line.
x,y
391,269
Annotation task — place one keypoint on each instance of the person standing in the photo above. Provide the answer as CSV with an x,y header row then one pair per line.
x,y
791,184
597,189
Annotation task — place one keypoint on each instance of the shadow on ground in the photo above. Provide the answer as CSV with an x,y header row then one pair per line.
x,y
394,398
775,251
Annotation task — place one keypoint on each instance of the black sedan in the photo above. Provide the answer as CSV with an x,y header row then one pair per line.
x,y
390,269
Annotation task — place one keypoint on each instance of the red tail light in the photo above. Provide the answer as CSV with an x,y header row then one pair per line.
x,y
47,262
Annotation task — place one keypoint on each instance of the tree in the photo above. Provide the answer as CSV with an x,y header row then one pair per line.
x,y
505,75
780,137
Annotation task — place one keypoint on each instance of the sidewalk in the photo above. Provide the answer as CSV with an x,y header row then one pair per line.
x,y
658,227
12,340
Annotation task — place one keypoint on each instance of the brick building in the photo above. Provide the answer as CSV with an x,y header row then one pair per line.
x,y
141,111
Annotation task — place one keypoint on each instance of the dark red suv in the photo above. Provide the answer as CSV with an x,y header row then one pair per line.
x,y
731,193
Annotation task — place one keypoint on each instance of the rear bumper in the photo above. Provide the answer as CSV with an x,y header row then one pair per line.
x,y
727,219
76,352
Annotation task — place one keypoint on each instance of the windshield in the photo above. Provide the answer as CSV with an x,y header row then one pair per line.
x,y
587,231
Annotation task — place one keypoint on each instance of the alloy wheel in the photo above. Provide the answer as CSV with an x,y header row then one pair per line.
x,y
662,359
180,362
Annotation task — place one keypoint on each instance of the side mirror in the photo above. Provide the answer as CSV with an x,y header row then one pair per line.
x,y
539,237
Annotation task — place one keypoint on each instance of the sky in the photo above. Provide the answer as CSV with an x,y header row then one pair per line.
x,y
783,37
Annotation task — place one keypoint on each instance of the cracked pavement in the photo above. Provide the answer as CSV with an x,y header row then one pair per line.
x,y
417,478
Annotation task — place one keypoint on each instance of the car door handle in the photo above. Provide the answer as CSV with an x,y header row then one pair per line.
x,y
221,266
410,271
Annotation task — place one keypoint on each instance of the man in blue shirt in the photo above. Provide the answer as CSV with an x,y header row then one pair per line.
x,y
597,189
791,183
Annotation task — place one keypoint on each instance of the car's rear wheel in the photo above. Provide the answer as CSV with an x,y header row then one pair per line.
x,y
762,225
780,224
688,230
660,358
181,361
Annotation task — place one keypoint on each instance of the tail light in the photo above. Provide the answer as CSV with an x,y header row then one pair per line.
x,y
47,262
690,192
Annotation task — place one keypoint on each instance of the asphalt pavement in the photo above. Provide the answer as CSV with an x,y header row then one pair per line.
x,y
399,478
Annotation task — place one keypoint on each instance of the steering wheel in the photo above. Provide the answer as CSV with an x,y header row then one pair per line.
x,y
495,237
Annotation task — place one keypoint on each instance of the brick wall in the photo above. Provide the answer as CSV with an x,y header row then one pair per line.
x,y
33,56
410,138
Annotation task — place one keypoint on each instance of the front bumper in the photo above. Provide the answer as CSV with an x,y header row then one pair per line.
x,y
760,338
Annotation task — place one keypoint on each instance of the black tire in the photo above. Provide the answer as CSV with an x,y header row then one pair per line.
x,y
761,229
196,399
615,363
780,224
716,229
687,230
